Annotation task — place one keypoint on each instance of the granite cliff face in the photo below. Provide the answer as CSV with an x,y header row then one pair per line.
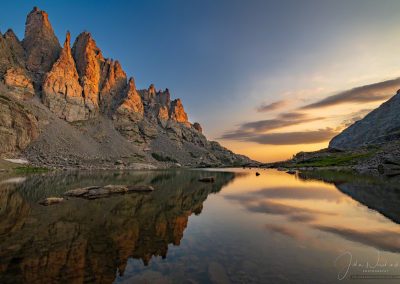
x,y
40,43
100,106
62,93
88,58
379,126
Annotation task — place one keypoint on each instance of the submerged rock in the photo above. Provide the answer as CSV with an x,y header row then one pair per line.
x,y
207,179
94,192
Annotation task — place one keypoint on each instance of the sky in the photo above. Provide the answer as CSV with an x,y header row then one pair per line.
x,y
264,78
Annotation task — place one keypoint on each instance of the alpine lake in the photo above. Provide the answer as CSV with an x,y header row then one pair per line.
x,y
308,227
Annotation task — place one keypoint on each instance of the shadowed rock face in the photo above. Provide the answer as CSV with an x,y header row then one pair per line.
x,y
198,127
40,43
18,127
380,126
88,241
62,93
12,54
378,193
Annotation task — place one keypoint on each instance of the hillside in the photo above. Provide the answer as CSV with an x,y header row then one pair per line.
x,y
379,126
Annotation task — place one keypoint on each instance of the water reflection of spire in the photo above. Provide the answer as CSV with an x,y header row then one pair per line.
x,y
83,240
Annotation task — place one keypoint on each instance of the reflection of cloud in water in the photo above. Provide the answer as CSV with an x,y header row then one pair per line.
x,y
299,193
382,240
295,193
304,218
293,213
284,230
260,202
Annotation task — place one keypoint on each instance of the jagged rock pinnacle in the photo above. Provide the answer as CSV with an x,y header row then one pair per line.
x,y
61,90
40,43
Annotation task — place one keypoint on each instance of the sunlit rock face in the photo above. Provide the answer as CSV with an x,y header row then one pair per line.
x,y
91,240
62,93
164,104
12,66
152,90
177,112
113,82
131,101
17,79
89,59
129,113
40,43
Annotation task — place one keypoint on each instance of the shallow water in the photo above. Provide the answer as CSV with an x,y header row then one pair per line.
x,y
275,228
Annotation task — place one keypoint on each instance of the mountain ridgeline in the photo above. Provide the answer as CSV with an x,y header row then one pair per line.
x,y
380,126
70,106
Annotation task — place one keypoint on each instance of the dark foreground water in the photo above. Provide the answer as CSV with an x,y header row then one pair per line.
x,y
276,228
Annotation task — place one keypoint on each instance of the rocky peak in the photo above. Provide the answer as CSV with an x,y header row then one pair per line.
x,y
177,112
11,52
15,45
164,98
10,35
152,90
132,102
164,102
61,90
113,80
198,127
40,43
379,126
88,58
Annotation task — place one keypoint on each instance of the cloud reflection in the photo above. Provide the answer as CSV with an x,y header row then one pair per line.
x,y
382,240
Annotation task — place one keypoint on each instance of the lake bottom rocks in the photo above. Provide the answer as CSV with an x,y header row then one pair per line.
x,y
94,192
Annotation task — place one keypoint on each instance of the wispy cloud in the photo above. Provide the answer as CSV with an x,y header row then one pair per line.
x,y
284,120
363,94
355,116
284,138
272,106
257,131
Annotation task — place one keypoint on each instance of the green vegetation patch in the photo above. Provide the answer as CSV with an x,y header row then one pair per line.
x,y
29,169
162,158
339,160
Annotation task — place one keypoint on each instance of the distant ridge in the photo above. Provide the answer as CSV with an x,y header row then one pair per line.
x,y
379,126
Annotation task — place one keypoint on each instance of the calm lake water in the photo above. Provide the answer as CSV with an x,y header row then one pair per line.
x,y
275,228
